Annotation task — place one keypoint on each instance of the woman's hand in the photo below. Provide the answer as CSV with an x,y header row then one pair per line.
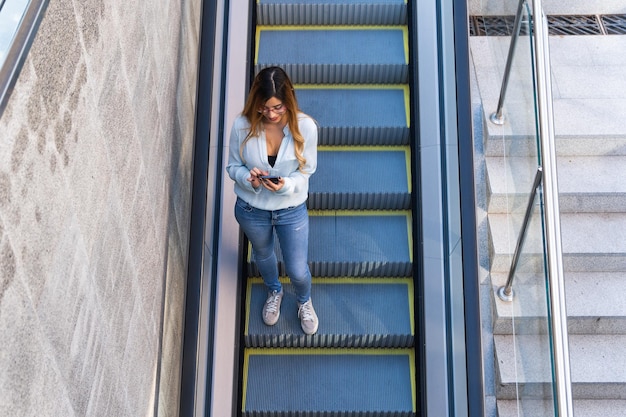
x,y
255,177
256,180
273,186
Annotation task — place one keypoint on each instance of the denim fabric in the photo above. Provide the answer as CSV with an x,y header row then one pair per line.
x,y
292,229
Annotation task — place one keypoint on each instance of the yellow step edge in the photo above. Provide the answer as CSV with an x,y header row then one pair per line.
x,y
330,27
367,148
377,86
354,213
339,281
343,280
404,87
376,148
403,28
259,2
410,353
330,351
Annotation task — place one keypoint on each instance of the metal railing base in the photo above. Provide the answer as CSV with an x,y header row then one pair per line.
x,y
502,294
497,119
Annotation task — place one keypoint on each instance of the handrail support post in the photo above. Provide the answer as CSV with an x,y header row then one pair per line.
x,y
497,117
505,292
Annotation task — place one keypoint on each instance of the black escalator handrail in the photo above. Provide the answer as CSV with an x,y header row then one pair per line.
x,y
190,361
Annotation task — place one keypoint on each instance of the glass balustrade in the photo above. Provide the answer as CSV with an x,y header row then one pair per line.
x,y
19,20
11,14
527,381
530,366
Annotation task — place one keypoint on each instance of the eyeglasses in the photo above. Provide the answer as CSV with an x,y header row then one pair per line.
x,y
278,109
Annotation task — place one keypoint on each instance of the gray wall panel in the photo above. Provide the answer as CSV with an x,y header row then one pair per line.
x,y
96,149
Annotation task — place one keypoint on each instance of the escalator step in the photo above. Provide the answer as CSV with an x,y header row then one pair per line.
x,y
331,12
328,382
361,178
360,244
358,115
356,243
357,312
335,55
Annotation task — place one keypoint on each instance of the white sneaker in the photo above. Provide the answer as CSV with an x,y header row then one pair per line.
x,y
271,309
308,318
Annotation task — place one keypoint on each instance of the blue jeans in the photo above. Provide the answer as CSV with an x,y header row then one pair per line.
x,y
292,229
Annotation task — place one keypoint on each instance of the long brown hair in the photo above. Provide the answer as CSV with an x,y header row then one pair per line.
x,y
273,82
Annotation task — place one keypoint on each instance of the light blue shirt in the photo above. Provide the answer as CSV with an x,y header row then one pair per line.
x,y
296,188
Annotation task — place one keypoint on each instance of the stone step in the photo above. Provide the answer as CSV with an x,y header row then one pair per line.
x,y
588,89
550,7
594,301
586,183
539,408
590,242
598,366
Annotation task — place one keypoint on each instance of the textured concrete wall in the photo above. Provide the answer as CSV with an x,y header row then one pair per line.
x,y
95,166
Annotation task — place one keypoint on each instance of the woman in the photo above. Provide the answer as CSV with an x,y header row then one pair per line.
x,y
273,151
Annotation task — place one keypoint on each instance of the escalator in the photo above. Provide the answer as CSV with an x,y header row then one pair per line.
x,y
350,66
392,246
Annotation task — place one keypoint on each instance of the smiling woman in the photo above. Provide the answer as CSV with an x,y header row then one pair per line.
x,y
19,20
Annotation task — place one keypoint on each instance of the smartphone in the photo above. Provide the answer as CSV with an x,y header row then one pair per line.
x,y
272,178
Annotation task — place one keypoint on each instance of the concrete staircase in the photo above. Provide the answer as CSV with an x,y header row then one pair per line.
x,y
589,92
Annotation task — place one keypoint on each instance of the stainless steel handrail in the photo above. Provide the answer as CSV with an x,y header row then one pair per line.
x,y
497,117
505,292
547,176
558,322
